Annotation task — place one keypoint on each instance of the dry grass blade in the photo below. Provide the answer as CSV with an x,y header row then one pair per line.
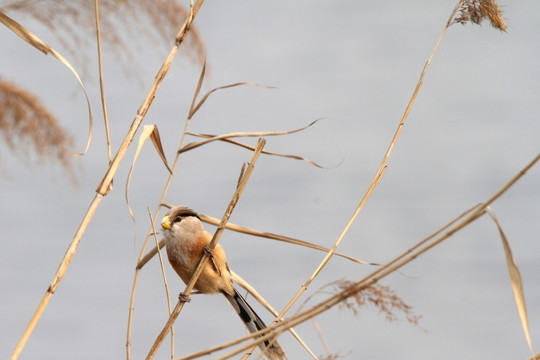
x,y
196,144
253,232
192,109
515,280
33,40
101,83
156,140
205,97
24,33
266,152
149,131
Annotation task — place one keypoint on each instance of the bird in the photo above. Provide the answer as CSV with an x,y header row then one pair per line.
x,y
186,241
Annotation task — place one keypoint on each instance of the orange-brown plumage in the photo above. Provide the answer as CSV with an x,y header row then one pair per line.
x,y
186,240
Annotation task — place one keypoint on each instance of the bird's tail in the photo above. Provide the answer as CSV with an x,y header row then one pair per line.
x,y
254,323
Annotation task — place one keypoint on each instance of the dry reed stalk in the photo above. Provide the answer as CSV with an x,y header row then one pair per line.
x,y
101,85
321,338
132,298
534,357
380,170
245,175
162,266
104,186
415,251
333,249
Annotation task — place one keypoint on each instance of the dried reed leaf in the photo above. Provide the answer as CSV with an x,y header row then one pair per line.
x,y
201,102
192,109
156,140
149,131
244,230
249,147
90,121
24,33
196,144
515,279
33,40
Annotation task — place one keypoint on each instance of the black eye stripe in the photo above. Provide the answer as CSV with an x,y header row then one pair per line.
x,y
180,216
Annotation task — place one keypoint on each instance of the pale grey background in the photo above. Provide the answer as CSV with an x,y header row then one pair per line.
x,y
473,127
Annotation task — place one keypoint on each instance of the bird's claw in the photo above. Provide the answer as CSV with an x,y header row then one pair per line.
x,y
183,297
210,254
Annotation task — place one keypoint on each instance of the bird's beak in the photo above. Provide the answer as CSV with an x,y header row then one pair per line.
x,y
166,222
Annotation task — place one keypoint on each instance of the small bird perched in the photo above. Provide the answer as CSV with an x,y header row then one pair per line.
x,y
186,241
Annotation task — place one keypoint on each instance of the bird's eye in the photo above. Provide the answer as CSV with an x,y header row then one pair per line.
x,y
177,219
